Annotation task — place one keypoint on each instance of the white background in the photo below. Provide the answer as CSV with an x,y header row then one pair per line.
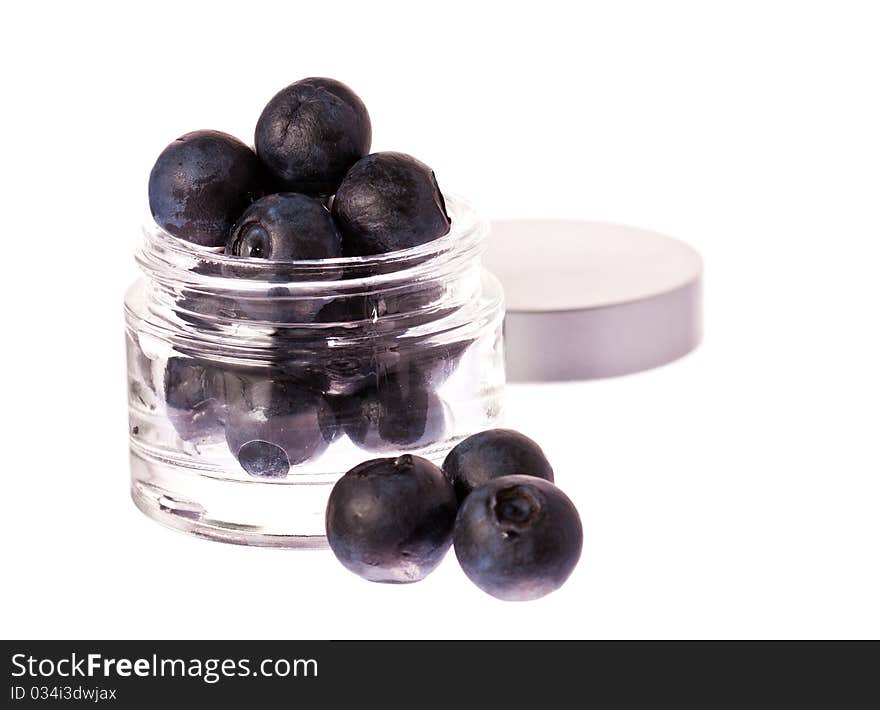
x,y
732,494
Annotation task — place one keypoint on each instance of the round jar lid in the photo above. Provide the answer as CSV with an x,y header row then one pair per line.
x,y
588,300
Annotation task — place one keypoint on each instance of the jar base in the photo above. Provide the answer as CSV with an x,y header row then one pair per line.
x,y
218,530
242,513
285,513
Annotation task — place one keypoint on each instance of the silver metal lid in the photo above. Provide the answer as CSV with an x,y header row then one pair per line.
x,y
588,300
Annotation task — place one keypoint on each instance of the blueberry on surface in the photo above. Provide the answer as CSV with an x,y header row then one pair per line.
x,y
285,226
201,183
311,133
194,400
492,454
389,201
518,537
390,520
397,412
273,423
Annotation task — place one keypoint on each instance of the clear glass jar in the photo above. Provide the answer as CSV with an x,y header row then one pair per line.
x,y
254,385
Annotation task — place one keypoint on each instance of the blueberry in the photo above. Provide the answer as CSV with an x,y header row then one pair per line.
x,y
267,303
434,363
352,370
285,226
270,305
201,183
518,537
331,427
412,303
352,309
381,318
389,201
311,133
274,423
492,454
390,520
194,400
398,411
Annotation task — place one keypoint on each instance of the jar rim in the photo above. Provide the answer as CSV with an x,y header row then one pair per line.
x,y
164,255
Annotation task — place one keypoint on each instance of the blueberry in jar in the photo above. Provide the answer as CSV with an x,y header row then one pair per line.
x,y
518,537
278,229
433,363
398,411
201,183
194,400
383,318
274,423
270,305
396,307
331,427
389,201
285,226
492,454
390,520
355,370
311,133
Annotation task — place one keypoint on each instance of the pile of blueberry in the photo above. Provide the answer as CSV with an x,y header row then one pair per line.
x,y
516,535
312,149
310,190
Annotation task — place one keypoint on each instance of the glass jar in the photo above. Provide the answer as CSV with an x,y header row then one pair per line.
x,y
254,385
